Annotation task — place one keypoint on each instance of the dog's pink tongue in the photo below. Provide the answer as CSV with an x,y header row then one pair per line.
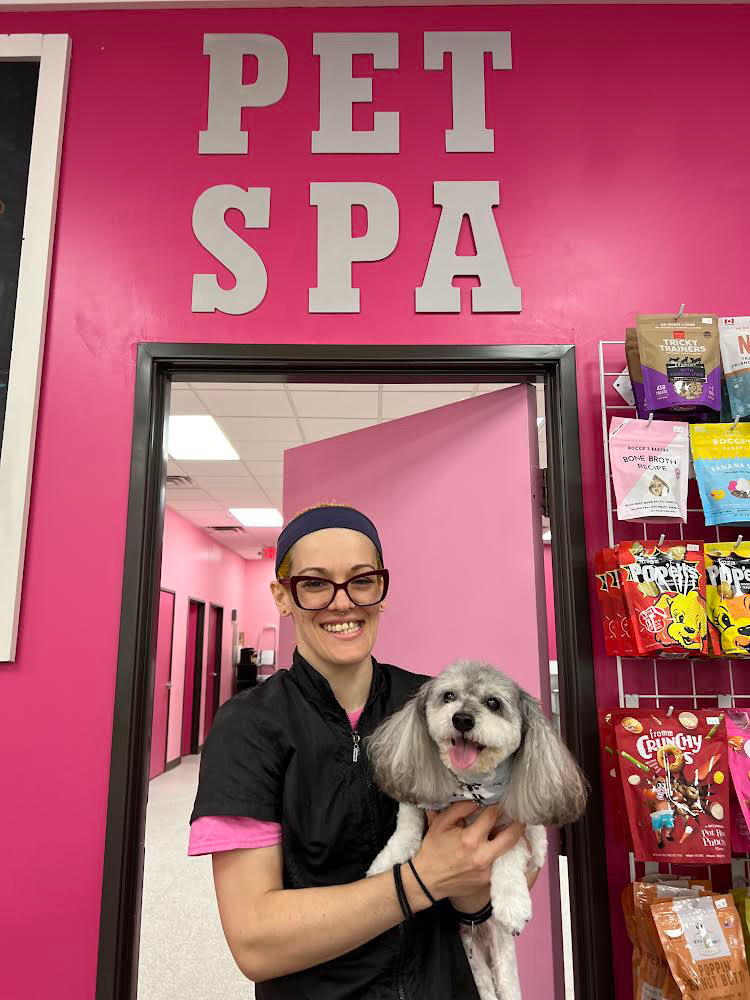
x,y
463,754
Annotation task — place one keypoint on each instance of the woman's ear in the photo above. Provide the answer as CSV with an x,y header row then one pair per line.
x,y
547,787
404,758
281,597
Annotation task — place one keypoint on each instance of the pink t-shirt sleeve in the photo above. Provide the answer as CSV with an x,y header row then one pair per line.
x,y
209,834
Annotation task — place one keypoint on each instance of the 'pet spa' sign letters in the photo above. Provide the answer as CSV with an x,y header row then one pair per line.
x,y
337,247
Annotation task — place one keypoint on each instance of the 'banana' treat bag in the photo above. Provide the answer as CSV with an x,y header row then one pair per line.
x,y
721,458
680,362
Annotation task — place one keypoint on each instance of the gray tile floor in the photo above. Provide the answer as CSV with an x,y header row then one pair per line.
x,y
183,954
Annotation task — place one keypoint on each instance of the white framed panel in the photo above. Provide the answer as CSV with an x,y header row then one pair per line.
x,y
17,454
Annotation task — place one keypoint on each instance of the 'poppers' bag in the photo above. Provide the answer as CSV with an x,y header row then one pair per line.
x,y
734,337
721,457
703,944
677,798
728,598
680,362
650,466
665,595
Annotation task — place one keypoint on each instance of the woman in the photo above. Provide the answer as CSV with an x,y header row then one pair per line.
x,y
287,806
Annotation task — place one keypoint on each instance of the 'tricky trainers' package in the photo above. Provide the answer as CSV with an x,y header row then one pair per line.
x,y
675,780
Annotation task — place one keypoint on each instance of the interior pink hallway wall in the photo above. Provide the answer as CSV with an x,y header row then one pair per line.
x,y
195,566
599,203
436,484
549,602
258,605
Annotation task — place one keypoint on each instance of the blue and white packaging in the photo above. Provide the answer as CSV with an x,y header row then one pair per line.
x,y
734,339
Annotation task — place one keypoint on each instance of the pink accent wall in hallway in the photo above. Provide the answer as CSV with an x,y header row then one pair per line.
x,y
589,126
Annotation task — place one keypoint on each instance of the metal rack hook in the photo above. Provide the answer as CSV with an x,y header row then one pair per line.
x,y
681,312
650,419
734,424
738,542
660,542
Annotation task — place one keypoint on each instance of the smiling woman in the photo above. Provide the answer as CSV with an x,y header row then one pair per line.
x,y
297,912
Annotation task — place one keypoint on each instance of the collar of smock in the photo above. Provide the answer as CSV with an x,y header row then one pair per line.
x,y
314,685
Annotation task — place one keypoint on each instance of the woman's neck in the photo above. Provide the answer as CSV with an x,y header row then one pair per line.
x,y
350,682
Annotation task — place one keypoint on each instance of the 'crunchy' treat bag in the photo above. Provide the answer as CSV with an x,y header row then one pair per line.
x,y
664,587
674,771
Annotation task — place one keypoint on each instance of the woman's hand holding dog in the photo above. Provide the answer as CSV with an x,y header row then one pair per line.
x,y
455,859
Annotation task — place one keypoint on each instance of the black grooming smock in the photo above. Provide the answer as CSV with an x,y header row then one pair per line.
x,y
284,751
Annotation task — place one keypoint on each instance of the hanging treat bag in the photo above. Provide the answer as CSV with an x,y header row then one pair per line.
x,y
611,766
624,643
673,775
741,899
738,742
680,361
721,457
728,598
703,945
653,972
650,469
636,374
664,587
602,579
734,337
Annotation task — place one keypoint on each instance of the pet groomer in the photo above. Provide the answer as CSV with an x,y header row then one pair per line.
x,y
289,810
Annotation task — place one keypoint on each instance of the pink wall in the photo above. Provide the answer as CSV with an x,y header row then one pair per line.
x,y
258,604
436,484
600,201
549,597
195,566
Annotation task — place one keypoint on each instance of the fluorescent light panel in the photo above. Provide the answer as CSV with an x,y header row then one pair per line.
x,y
257,517
199,439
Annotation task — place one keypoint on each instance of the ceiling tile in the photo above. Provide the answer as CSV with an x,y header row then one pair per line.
x,y
419,387
173,469
205,503
263,451
252,402
331,387
204,517
230,386
265,468
402,404
184,403
320,429
260,429
336,404
185,493
210,469
273,486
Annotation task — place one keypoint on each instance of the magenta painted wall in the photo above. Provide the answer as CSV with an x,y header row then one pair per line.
x,y
436,484
604,213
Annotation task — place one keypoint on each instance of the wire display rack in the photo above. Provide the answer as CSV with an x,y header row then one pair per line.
x,y
662,683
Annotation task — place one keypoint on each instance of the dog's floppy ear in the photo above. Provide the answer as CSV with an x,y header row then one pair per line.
x,y
547,787
404,758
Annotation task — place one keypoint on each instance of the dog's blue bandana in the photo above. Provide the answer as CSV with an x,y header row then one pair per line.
x,y
485,791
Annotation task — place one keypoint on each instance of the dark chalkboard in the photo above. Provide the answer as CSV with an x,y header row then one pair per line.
x,y
18,83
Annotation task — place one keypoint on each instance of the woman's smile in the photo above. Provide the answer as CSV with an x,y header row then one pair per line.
x,y
347,629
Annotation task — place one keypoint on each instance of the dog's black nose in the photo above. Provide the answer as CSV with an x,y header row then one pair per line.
x,y
463,721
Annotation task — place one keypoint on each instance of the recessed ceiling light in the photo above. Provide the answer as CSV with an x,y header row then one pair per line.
x,y
257,517
199,438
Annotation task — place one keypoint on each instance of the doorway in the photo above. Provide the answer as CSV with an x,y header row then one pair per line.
x,y
213,666
191,697
551,366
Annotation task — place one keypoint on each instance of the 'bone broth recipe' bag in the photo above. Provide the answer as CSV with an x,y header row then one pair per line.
x,y
680,361
650,467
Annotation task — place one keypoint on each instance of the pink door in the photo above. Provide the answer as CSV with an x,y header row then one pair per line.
x,y
213,669
453,492
162,683
193,673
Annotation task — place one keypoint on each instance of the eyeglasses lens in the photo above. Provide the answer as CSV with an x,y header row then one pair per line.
x,y
313,595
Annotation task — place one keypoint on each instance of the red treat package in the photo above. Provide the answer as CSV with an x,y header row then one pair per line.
x,y
612,777
738,738
665,596
623,630
605,605
674,770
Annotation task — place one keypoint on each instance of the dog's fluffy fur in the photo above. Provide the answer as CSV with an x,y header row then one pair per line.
x,y
541,786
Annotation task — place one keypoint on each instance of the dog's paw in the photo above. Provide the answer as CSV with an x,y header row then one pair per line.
x,y
380,865
512,914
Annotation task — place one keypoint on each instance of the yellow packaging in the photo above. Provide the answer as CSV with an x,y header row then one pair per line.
x,y
728,598
721,458
742,902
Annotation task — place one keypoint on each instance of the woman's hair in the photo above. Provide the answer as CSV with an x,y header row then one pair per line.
x,y
286,563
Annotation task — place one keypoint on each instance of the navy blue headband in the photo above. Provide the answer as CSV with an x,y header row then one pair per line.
x,y
325,517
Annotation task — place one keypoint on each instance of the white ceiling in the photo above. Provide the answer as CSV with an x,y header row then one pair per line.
x,y
263,419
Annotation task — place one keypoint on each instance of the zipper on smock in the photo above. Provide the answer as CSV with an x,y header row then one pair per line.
x,y
355,750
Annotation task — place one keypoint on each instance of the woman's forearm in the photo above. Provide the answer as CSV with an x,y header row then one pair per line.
x,y
293,929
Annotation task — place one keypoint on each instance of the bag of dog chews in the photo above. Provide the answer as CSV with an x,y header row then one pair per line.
x,y
703,944
681,362
734,335
650,466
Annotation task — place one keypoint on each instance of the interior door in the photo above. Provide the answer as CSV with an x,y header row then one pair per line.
x,y
454,492
193,675
213,668
162,683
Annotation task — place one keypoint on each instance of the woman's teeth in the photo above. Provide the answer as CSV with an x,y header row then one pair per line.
x,y
342,627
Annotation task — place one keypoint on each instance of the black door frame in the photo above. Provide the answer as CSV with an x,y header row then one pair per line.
x,y
157,365
195,710
217,658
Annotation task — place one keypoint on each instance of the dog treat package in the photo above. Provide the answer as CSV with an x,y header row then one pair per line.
x,y
628,912
634,369
742,902
728,598
734,337
664,588
738,742
674,771
650,469
625,643
603,584
703,945
680,362
653,976
612,774
721,457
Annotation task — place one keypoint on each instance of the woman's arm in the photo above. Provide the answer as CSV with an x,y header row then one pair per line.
x,y
272,931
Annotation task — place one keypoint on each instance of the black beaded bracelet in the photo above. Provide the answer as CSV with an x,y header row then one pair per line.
x,y
401,893
422,886
474,918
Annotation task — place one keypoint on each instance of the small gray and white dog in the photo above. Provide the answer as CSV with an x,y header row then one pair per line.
x,y
473,733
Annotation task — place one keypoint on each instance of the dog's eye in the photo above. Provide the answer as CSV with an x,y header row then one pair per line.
x,y
449,696
493,704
